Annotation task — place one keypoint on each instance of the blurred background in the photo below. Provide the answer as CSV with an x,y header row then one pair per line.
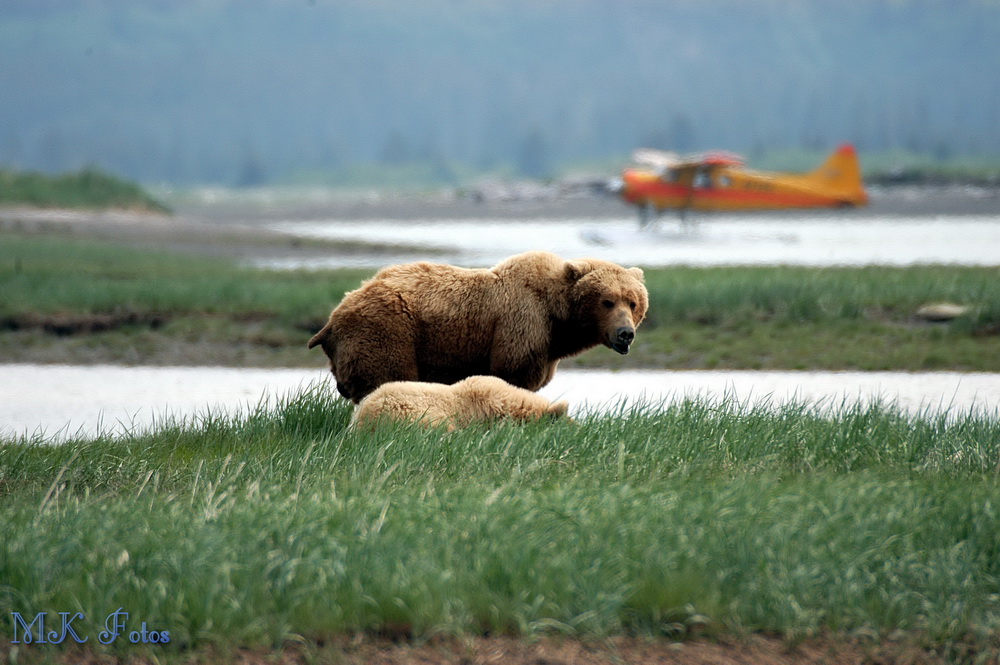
x,y
351,93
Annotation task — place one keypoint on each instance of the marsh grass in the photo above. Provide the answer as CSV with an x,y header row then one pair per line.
x,y
716,517
733,296
70,299
67,300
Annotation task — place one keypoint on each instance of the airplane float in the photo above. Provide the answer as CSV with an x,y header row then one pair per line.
x,y
719,181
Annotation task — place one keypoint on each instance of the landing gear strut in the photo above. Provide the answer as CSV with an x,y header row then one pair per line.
x,y
647,214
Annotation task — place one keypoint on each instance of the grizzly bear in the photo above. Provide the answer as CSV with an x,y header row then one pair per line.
x,y
438,323
475,399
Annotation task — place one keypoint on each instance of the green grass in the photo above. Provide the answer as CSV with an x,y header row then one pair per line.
x,y
161,307
88,188
718,518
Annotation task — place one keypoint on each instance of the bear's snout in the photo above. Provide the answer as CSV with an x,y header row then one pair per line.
x,y
623,339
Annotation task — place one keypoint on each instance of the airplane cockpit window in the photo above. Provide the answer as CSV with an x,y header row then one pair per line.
x,y
725,181
702,180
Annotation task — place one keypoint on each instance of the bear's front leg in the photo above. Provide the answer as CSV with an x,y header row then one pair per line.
x,y
531,371
520,352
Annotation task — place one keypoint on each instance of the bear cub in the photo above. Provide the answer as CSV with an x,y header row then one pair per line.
x,y
475,399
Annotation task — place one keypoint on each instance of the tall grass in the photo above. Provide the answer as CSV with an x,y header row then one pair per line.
x,y
88,188
43,274
721,517
819,318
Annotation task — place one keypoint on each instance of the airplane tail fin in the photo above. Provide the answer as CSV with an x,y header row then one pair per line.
x,y
842,173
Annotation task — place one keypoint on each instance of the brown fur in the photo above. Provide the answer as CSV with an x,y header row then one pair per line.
x,y
475,399
438,323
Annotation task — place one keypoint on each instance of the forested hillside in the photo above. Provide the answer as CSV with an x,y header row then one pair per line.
x,y
254,91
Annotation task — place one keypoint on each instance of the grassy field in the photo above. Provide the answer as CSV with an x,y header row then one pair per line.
x,y
715,521
89,188
700,522
71,299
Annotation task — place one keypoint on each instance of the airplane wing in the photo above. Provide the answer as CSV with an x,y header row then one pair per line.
x,y
663,160
657,159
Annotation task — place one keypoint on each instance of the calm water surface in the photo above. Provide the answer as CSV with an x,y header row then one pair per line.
x,y
59,401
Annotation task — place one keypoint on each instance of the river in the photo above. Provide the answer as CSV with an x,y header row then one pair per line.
x,y
58,401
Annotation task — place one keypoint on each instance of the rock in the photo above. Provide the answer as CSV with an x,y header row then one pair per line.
x,y
941,311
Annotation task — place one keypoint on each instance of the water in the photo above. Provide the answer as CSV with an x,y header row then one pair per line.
x,y
850,238
58,401
64,400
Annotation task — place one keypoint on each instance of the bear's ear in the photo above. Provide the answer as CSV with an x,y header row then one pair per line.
x,y
637,272
557,409
321,336
576,269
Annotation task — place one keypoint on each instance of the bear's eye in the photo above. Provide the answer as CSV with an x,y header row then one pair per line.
x,y
608,304
632,305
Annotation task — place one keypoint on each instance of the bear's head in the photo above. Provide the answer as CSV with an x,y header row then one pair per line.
x,y
607,301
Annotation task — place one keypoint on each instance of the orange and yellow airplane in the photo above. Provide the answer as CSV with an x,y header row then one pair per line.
x,y
718,181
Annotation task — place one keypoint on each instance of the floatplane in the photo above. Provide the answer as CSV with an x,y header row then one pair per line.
x,y
720,181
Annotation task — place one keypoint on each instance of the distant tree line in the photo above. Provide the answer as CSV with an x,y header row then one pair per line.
x,y
257,91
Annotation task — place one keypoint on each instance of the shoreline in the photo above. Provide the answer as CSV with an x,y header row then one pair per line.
x,y
266,205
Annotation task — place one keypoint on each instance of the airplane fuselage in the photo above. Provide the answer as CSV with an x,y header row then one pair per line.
x,y
836,183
